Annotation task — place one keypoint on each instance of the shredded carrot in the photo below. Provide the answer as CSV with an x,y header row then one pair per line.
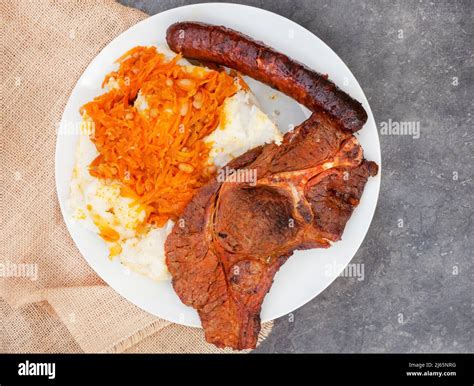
x,y
158,153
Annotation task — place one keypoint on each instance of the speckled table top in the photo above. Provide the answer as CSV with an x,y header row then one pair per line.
x,y
414,60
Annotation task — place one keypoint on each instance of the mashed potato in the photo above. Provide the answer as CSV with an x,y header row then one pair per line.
x,y
100,207
243,127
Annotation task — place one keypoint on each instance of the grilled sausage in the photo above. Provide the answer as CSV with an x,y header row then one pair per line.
x,y
230,48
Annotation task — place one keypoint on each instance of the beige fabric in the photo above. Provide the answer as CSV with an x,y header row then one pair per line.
x,y
45,48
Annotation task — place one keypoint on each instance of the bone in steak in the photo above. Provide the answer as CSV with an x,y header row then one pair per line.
x,y
234,236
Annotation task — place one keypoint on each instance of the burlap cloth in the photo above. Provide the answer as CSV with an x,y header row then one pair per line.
x,y
45,48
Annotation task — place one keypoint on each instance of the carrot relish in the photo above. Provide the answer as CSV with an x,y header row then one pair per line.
x,y
157,153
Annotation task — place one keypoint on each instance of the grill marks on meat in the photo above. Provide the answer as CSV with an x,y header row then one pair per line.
x,y
233,237
230,48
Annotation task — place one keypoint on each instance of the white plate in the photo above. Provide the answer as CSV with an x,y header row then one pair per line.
x,y
306,273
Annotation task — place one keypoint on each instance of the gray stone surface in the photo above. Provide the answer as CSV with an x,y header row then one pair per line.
x,y
414,61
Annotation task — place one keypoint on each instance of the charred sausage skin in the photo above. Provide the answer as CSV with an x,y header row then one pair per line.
x,y
235,50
